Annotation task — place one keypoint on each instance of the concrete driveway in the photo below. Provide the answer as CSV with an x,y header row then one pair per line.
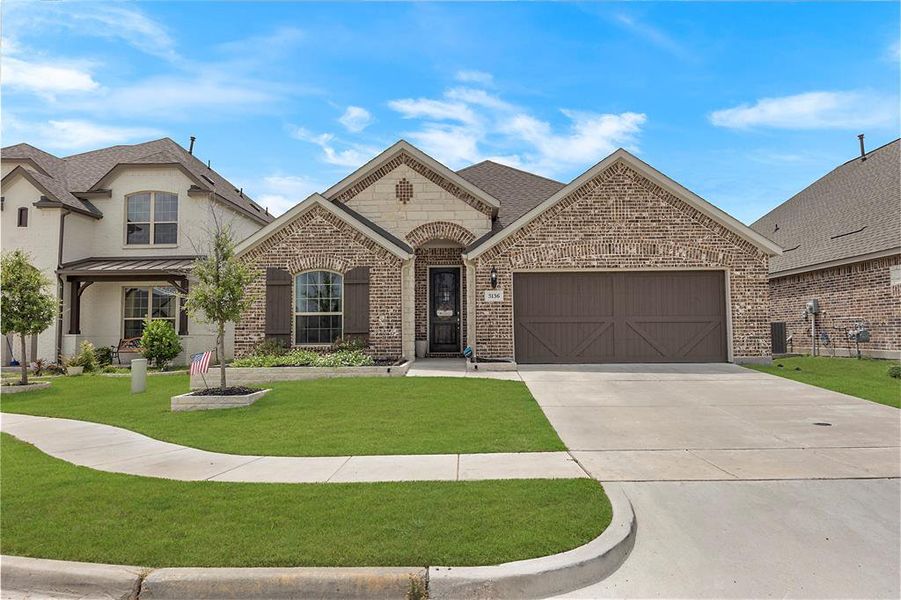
x,y
738,491
712,422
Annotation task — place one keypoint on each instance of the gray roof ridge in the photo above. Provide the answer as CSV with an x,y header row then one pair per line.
x,y
500,164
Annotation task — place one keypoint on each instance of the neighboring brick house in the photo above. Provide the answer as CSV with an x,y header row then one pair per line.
x,y
842,247
621,265
115,230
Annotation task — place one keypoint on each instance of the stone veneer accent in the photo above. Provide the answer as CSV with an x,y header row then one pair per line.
x,y
622,220
859,292
429,257
403,158
319,240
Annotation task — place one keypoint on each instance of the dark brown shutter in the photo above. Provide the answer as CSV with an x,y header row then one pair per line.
x,y
278,306
356,303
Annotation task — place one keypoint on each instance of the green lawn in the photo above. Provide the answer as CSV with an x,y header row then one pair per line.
x,y
864,378
324,417
52,509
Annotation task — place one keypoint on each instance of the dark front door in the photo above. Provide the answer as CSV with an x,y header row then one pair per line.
x,y
625,317
444,309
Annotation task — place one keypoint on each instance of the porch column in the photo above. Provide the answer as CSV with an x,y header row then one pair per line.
x,y
76,289
182,313
471,298
408,309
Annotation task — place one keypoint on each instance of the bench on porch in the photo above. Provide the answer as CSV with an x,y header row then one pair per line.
x,y
125,346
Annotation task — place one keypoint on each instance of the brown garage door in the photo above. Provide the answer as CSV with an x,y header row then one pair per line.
x,y
640,316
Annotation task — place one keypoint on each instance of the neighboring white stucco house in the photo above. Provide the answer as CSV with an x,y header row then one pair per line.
x,y
116,229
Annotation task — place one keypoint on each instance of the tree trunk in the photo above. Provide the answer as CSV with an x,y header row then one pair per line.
x,y
24,363
220,343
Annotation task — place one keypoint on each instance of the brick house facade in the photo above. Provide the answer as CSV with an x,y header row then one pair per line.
x,y
857,293
842,240
403,214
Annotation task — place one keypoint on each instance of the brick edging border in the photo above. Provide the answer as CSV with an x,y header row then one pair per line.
x,y
532,578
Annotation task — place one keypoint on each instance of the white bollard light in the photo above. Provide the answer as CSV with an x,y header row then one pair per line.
x,y
138,375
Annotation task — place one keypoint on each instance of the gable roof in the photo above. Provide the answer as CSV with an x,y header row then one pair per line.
x,y
402,147
394,245
82,174
518,191
743,231
849,213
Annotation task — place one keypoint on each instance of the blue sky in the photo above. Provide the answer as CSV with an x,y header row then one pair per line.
x,y
745,104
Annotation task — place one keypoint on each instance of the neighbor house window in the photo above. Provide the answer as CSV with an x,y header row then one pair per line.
x,y
148,303
318,307
151,218
22,217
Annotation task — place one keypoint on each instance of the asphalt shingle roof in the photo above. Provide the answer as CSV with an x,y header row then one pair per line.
x,y
518,191
78,173
852,211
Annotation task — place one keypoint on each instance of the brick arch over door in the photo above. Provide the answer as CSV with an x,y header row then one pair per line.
x,y
440,230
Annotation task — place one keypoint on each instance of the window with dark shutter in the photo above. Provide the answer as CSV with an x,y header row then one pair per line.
x,y
23,217
278,306
356,303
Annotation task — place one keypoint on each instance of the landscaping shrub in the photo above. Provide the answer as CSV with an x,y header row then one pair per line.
x,y
895,372
307,358
345,343
86,357
104,355
270,348
160,342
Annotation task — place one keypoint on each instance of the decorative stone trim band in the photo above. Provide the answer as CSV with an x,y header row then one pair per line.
x,y
185,402
21,389
236,376
533,578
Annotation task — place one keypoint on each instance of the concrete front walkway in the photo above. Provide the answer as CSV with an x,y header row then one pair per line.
x,y
116,450
712,422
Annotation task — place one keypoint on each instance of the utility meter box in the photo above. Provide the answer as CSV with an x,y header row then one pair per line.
x,y
813,307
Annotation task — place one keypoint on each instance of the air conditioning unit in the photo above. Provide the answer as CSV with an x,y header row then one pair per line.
x,y
813,307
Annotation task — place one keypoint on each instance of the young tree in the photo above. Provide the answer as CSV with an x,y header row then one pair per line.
x,y
218,296
26,306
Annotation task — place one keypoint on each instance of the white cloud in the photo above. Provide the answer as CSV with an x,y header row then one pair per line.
x,y
478,97
454,146
651,34
894,51
108,20
45,78
435,110
72,134
468,124
177,97
354,155
469,76
355,119
279,193
591,136
811,110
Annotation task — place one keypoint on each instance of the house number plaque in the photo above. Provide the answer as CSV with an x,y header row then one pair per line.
x,y
494,295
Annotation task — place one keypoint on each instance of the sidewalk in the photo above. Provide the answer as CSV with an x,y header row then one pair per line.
x,y
116,450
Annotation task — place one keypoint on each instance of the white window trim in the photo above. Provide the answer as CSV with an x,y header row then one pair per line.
x,y
295,313
149,289
153,222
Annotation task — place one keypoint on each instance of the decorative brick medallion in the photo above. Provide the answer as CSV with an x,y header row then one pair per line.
x,y
404,190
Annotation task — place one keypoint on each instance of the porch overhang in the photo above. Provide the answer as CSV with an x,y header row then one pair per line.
x,y
81,274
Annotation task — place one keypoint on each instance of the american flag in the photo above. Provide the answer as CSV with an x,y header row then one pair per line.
x,y
200,363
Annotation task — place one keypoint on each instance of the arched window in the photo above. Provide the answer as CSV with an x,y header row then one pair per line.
x,y
151,218
318,307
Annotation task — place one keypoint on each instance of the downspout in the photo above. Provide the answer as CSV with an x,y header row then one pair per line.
x,y
60,286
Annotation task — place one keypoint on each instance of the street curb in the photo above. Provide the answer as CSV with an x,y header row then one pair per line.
x,y
532,578
281,583
41,577
548,575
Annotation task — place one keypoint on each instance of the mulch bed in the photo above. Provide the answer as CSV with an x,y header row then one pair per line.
x,y
229,391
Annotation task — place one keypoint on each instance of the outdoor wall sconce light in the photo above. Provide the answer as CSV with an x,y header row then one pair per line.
x,y
493,278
